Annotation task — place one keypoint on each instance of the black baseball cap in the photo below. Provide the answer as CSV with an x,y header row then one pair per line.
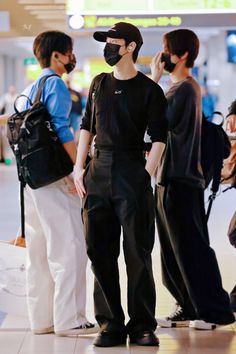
x,y
121,30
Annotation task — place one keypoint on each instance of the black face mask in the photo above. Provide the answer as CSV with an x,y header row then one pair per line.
x,y
111,53
71,65
169,66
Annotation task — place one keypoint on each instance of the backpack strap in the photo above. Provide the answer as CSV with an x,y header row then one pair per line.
x,y
22,208
219,152
218,166
96,89
211,199
216,173
16,110
39,92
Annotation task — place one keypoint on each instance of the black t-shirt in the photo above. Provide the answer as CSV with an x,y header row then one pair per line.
x,y
124,109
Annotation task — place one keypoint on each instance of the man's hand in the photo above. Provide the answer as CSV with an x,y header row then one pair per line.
x,y
157,67
78,180
70,184
231,123
154,157
83,148
3,119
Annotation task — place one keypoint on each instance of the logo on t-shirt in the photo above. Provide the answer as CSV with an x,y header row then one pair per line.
x,y
118,92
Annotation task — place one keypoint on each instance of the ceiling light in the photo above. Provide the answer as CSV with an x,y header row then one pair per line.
x,y
76,22
32,2
44,7
55,25
51,12
51,16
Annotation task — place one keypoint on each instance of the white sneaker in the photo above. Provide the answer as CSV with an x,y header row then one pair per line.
x,y
166,322
43,330
200,324
84,329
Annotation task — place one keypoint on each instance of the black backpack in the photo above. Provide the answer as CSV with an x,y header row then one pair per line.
x,y
40,156
215,147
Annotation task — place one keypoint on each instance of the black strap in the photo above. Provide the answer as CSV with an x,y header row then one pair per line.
x,y
22,184
39,92
22,209
211,200
216,179
94,93
16,110
219,157
92,112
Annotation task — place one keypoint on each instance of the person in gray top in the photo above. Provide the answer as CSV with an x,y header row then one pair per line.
x,y
189,265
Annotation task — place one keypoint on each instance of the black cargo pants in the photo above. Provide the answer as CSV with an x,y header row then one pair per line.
x,y
189,266
119,194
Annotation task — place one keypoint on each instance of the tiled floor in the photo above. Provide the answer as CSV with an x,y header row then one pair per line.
x,y
15,337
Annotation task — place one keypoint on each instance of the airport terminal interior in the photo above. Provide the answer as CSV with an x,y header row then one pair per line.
x,y
214,21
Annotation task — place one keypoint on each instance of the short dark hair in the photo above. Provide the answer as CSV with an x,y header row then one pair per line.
x,y
47,42
181,41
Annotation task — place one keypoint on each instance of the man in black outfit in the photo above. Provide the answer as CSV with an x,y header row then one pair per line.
x,y
117,190
189,266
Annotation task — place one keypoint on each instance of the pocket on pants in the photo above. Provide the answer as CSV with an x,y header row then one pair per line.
x,y
85,174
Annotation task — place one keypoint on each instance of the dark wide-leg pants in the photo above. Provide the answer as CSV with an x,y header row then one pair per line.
x,y
119,195
189,266
233,299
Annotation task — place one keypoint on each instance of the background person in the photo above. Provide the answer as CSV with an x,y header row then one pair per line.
x,y
6,108
76,110
228,172
182,228
208,102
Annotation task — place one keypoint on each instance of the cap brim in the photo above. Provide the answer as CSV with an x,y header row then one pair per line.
x,y
100,36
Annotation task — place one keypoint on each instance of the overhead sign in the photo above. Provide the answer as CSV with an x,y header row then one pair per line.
x,y
91,22
30,61
104,7
139,21
4,21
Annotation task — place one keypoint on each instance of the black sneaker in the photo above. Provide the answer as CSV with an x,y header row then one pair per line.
x,y
177,319
84,329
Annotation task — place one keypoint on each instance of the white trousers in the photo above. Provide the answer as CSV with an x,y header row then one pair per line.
x,y
56,258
